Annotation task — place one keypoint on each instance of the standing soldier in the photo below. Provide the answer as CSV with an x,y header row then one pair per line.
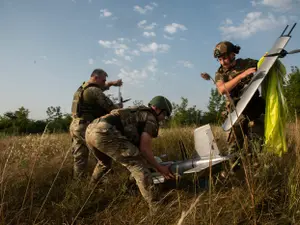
x,y
231,77
125,135
89,102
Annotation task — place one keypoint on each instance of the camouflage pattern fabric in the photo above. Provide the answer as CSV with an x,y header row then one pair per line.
x,y
78,128
226,75
79,149
95,97
253,110
122,147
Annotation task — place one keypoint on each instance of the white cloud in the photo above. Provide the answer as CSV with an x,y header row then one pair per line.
x,y
168,37
149,34
132,76
105,13
253,23
105,44
113,61
151,26
228,22
253,3
120,49
136,76
91,61
135,52
154,47
144,10
186,64
44,57
154,4
142,24
123,39
128,58
278,5
112,44
172,28
152,65
120,52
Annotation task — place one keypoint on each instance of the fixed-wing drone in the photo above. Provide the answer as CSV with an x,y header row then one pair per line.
x,y
207,155
205,144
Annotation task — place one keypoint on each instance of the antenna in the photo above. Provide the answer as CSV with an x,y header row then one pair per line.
x,y
291,29
284,30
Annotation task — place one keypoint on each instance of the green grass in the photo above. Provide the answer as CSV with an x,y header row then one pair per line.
x,y
36,186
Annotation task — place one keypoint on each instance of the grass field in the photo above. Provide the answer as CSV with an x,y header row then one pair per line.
x,y
36,187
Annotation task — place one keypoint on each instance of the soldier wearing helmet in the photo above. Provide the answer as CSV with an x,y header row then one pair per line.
x,y
89,102
231,77
125,135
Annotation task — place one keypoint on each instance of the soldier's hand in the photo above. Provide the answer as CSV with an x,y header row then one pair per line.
x,y
120,105
248,72
117,82
164,170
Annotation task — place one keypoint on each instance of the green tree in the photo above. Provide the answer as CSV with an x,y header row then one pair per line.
x,y
137,102
183,115
292,91
216,106
57,121
54,113
15,122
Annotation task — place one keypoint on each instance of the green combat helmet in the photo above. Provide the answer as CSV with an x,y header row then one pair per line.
x,y
224,48
162,103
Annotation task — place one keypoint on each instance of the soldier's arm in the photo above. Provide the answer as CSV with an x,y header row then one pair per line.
x,y
226,87
112,83
103,100
146,150
151,131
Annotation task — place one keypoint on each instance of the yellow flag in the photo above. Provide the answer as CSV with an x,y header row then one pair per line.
x,y
276,109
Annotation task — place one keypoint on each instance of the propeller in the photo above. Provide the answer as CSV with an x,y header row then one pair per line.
x,y
283,53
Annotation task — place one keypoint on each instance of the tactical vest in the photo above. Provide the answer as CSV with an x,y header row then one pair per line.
x,y
127,121
86,109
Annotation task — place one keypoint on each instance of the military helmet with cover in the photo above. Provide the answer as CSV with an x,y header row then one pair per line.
x,y
162,103
224,48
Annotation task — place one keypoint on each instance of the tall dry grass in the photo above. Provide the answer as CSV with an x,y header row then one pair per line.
x,y
37,187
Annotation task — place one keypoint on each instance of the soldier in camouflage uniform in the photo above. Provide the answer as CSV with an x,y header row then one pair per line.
x,y
89,103
231,77
125,135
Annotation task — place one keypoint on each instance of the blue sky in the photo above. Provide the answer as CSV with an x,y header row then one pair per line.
x,y
48,48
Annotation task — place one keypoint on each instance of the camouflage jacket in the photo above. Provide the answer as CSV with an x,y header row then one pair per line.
x,y
240,66
94,103
133,121
256,103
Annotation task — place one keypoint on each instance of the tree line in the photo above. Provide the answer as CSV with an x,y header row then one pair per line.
x,y
18,122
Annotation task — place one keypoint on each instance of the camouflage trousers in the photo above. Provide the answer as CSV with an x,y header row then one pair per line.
x,y
244,128
80,150
107,139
